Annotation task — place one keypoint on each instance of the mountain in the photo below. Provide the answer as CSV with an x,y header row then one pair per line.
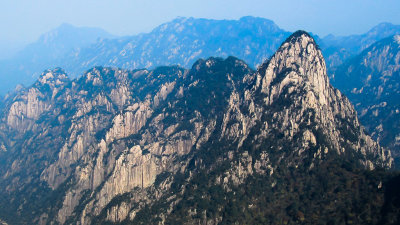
x,y
47,51
62,40
371,80
219,143
179,42
338,49
183,41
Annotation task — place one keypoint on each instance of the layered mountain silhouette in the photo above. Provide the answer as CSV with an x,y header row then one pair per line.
x,y
219,143
371,81
339,49
179,42
47,52
184,40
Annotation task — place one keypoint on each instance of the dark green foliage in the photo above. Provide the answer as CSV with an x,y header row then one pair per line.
x,y
391,208
335,191
328,194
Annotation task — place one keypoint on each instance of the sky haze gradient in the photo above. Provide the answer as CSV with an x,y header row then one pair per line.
x,y
23,21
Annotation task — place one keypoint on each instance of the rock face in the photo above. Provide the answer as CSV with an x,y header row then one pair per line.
x,y
372,80
296,75
155,146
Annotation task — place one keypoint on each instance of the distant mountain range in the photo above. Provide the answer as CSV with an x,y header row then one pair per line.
x,y
178,42
26,66
339,49
371,80
183,41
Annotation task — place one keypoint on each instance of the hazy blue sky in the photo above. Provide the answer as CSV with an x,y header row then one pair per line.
x,y
25,20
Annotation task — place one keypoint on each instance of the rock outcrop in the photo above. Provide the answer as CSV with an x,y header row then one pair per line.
x,y
299,98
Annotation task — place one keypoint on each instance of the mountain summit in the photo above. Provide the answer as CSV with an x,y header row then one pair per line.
x,y
298,61
295,87
218,143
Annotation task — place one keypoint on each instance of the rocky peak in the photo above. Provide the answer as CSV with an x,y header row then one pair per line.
x,y
54,78
93,76
293,85
298,61
100,76
28,104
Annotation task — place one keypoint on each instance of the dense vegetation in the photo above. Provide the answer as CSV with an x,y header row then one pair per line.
x,y
334,192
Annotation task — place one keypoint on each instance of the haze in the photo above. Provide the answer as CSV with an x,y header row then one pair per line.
x,y
23,21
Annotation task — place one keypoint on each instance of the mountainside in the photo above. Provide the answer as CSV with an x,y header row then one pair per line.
x,y
372,82
338,49
217,144
26,66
